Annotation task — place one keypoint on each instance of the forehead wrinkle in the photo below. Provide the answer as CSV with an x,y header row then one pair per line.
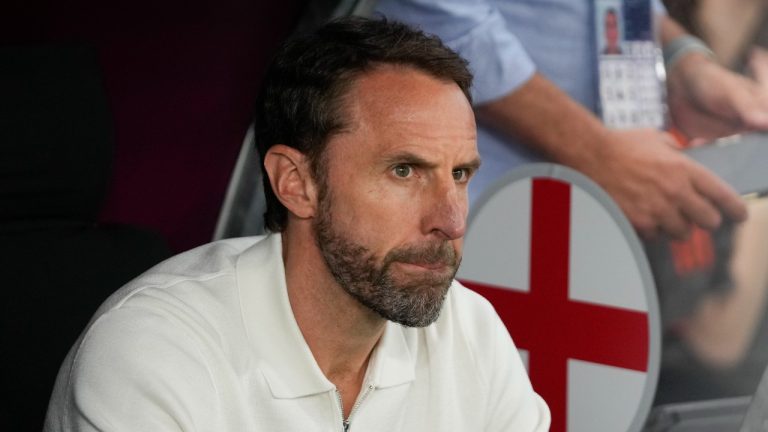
x,y
408,122
373,110
365,85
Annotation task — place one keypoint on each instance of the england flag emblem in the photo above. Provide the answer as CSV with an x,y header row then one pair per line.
x,y
566,273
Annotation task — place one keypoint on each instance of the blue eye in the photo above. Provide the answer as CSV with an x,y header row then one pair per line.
x,y
403,171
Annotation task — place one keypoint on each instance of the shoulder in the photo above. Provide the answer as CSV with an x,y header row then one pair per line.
x,y
190,278
470,327
192,296
473,326
163,327
500,369
131,360
198,264
155,342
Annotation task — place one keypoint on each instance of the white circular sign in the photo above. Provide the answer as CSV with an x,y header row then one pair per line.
x,y
568,276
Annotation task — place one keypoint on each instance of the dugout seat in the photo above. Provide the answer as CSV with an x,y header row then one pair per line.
x,y
58,264
244,204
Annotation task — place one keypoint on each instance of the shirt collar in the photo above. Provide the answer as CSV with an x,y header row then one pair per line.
x,y
283,355
393,361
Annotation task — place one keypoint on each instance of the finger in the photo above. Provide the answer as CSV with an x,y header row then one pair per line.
x,y
699,210
705,125
672,140
712,127
698,142
648,234
750,101
645,225
674,224
755,115
719,193
758,65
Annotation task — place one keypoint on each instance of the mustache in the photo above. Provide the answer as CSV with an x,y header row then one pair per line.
x,y
441,253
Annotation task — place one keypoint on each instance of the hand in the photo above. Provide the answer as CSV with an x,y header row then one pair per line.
x,y
658,188
757,63
708,101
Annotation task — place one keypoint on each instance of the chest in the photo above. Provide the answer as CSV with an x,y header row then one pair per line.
x,y
431,402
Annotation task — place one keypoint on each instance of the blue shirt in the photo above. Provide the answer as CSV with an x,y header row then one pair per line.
x,y
505,42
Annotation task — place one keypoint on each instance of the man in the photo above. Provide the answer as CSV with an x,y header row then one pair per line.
x,y
346,317
611,32
535,94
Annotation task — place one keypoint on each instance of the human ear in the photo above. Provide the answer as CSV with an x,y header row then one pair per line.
x,y
291,180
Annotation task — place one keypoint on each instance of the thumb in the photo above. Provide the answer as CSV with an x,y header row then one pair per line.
x,y
751,105
757,64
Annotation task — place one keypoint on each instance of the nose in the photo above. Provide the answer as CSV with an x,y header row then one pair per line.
x,y
445,215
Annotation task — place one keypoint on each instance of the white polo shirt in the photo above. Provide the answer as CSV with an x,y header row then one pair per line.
x,y
207,341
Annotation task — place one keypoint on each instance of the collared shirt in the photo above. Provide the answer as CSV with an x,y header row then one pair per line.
x,y
505,42
207,341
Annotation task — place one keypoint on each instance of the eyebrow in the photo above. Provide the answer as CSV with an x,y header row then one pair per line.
x,y
408,158
413,159
473,165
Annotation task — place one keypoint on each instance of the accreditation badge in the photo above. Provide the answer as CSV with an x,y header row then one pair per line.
x,y
630,65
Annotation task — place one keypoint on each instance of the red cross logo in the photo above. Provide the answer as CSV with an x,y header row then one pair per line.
x,y
554,328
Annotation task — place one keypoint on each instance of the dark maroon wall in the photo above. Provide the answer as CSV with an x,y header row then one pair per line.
x,y
180,77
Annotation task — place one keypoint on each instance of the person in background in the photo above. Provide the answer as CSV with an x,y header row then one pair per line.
x,y
611,32
535,97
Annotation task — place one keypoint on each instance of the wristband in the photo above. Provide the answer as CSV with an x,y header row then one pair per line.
x,y
682,45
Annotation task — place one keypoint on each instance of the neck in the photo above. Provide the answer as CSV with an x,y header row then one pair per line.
x,y
340,332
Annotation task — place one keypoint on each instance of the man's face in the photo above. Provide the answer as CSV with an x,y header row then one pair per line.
x,y
393,200
611,29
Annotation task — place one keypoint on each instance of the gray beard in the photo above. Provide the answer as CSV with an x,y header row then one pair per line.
x,y
415,302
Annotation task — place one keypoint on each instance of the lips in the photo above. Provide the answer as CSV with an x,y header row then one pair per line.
x,y
431,266
435,266
436,258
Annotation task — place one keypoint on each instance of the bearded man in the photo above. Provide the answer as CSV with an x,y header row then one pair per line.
x,y
346,315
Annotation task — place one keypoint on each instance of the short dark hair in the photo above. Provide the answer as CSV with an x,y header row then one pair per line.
x,y
301,102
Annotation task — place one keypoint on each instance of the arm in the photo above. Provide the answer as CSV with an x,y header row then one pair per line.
x,y
134,371
475,29
657,187
707,100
